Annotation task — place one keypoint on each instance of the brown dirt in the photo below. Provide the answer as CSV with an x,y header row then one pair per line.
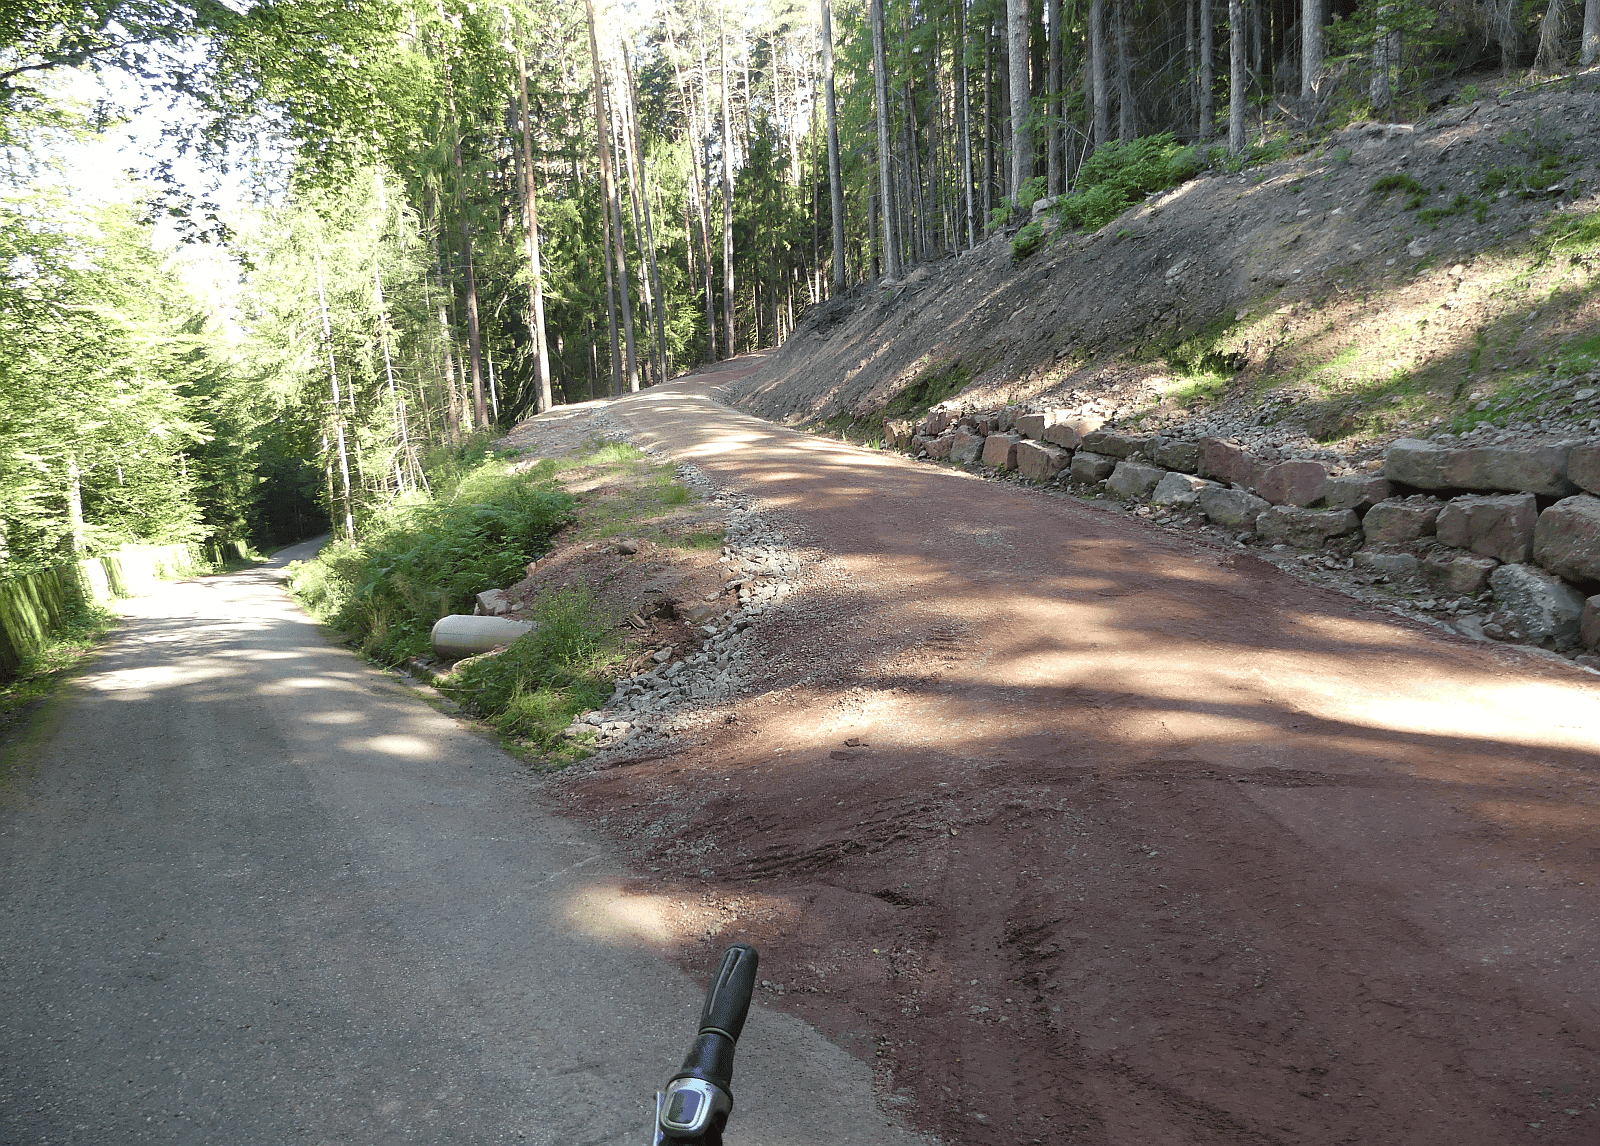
x,y
1083,832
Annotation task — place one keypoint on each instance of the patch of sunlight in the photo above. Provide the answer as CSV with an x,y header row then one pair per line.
x,y
1537,818
148,678
343,716
412,746
614,916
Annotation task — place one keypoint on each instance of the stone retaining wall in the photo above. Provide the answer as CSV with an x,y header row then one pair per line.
x,y
1507,534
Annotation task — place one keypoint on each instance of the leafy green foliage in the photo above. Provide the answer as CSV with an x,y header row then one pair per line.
x,y
1386,185
423,558
533,688
1028,240
1118,175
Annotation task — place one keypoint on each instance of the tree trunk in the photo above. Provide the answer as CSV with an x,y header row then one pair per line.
x,y
988,124
659,309
1053,156
965,111
697,188
1236,78
835,184
1208,76
1021,141
1550,29
1097,70
396,400
727,195
338,414
480,407
1385,55
1310,49
1127,117
530,223
75,529
1589,53
633,164
880,80
603,147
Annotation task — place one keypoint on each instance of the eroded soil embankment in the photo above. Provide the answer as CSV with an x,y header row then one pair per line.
x,y
1290,292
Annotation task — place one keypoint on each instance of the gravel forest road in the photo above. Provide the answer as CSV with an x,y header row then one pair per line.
x,y
1082,831
256,891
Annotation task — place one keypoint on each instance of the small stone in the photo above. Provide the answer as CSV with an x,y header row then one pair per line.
x,y
1395,566
662,656
627,546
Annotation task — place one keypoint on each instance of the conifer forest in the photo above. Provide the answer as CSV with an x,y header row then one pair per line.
x,y
458,213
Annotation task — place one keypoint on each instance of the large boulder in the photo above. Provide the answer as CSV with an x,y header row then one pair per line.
x,y
1033,426
1457,574
1527,469
1545,609
1227,462
1088,466
1180,489
1176,454
1293,483
1589,624
966,446
1400,521
1359,492
940,446
1522,469
1566,539
1114,445
1414,462
1233,508
1495,526
1305,528
1583,466
1001,450
1134,479
1041,463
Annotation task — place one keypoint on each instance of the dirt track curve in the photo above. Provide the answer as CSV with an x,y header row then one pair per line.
x,y
1080,832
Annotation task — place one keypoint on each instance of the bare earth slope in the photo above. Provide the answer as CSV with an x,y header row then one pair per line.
x,y
1366,316
1079,832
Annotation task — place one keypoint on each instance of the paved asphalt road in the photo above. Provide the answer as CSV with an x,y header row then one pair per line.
x,y
258,892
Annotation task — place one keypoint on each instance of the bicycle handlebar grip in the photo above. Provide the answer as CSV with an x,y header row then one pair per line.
x,y
728,997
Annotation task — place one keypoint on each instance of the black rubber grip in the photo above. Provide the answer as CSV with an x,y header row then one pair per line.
x,y
728,998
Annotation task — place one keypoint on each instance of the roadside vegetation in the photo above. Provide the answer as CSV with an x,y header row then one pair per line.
x,y
429,554
42,670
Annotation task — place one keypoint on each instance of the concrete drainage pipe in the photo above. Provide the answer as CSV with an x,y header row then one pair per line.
x,y
460,635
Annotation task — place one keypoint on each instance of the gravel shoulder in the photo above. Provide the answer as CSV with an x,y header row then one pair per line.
x,y
258,892
1078,830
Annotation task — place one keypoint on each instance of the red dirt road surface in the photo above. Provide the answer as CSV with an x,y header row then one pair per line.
x,y
1084,833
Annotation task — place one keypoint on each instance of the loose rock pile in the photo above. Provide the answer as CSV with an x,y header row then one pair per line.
x,y
670,696
1498,534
